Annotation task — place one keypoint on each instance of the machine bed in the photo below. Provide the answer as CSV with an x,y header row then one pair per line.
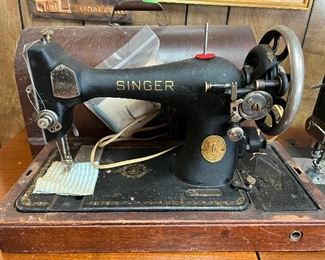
x,y
152,186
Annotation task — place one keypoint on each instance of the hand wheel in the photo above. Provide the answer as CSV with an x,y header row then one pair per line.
x,y
296,84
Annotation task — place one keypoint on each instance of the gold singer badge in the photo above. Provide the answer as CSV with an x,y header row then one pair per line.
x,y
213,148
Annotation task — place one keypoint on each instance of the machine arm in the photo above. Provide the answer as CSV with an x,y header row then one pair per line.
x,y
63,82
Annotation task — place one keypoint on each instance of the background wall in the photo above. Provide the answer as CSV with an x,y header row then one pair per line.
x,y
308,25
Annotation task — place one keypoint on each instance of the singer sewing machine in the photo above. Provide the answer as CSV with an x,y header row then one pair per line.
x,y
222,188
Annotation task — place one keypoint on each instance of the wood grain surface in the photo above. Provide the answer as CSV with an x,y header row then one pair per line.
x,y
200,14
11,119
314,54
262,19
277,4
291,255
27,19
174,15
136,256
315,35
15,156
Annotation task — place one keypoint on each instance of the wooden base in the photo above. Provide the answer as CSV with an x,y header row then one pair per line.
x,y
248,230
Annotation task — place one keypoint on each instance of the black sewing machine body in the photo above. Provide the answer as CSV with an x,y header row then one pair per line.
x,y
225,186
210,92
178,84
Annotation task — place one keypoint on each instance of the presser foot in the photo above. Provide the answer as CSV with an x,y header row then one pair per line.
x,y
65,154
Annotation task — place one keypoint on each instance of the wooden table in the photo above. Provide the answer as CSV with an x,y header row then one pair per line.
x,y
15,157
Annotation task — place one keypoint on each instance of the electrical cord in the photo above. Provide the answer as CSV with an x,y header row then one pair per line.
x,y
119,137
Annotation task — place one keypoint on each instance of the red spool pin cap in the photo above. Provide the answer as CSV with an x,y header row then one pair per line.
x,y
206,56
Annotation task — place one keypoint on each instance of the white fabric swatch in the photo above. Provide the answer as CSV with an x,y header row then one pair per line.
x,y
80,180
